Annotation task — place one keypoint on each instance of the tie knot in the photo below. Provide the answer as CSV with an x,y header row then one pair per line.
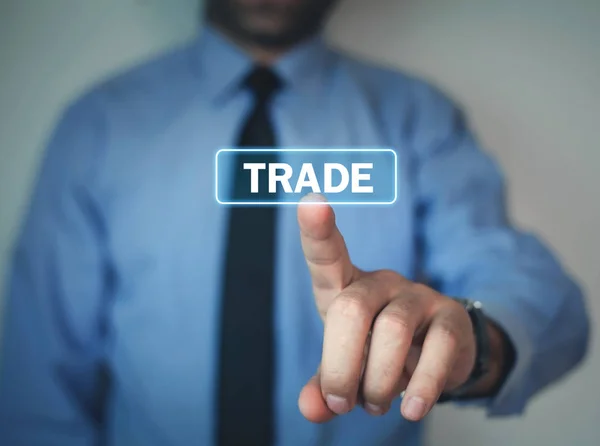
x,y
263,82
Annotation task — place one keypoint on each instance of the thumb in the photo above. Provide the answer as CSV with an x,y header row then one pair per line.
x,y
311,402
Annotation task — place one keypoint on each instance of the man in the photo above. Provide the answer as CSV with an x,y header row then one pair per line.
x,y
142,312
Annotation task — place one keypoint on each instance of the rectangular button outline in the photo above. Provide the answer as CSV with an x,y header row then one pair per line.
x,y
280,203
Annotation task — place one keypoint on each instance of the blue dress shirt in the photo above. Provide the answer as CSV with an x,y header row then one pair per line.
x,y
111,315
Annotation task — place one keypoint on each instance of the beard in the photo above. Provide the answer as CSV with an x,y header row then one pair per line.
x,y
274,24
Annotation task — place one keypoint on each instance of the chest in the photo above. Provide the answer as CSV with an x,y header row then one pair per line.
x,y
159,186
167,236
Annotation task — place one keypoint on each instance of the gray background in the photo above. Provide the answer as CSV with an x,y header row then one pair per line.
x,y
527,71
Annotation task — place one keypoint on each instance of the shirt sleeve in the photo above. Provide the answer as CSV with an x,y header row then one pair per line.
x,y
470,249
51,375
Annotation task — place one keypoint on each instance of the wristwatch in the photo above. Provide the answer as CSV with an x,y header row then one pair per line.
x,y
482,355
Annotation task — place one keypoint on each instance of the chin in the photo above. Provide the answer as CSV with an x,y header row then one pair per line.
x,y
272,34
271,23
266,26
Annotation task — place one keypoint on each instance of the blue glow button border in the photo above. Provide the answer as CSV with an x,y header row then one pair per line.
x,y
387,174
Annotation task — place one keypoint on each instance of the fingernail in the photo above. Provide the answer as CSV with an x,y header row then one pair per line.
x,y
415,408
338,404
374,409
313,198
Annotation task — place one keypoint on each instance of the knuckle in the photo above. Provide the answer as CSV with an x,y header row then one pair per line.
x,y
399,316
387,275
448,326
394,320
417,294
457,310
350,304
407,305
450,332
419,289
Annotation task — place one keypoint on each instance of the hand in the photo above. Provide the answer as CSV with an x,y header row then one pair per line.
x,y
383,333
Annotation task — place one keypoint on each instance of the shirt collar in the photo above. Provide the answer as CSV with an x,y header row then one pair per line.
x,y
222,65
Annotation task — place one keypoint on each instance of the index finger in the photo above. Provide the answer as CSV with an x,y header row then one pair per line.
x,y
324,249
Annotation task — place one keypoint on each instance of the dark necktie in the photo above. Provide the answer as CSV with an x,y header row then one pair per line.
x,y
246,373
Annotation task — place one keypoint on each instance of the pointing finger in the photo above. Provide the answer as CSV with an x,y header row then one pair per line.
x,y
325,250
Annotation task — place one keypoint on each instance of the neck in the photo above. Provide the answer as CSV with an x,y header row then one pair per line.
x,y
261,55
